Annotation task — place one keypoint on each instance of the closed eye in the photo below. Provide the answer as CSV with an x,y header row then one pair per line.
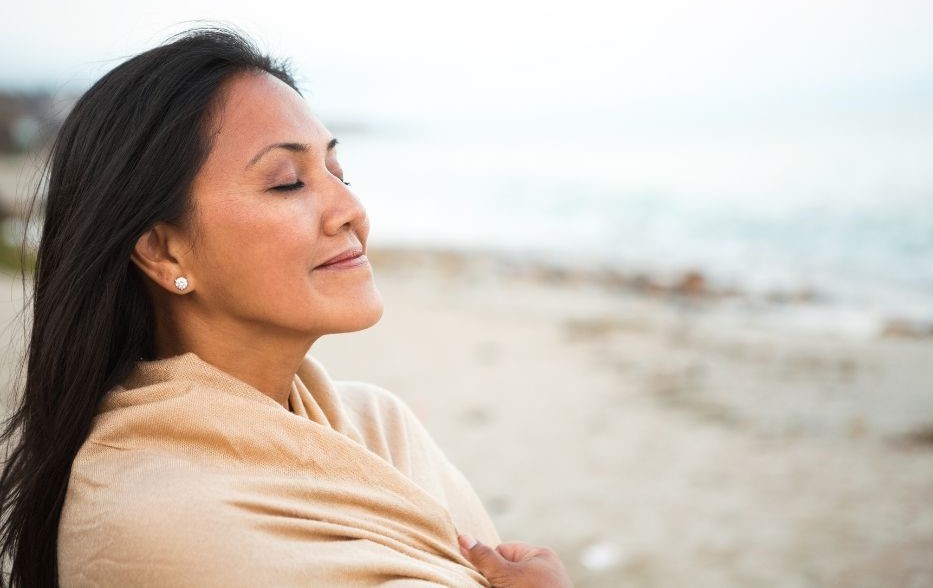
x,y
289,187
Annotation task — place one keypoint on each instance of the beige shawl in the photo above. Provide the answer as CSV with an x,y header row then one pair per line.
x,y
191,477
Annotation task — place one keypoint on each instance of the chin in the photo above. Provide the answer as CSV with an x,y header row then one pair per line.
x,y
365,322
365,313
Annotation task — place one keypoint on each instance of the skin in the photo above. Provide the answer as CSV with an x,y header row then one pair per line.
x,y
516,564
270,206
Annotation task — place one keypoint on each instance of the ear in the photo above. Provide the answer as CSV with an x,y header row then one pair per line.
x,y
156,254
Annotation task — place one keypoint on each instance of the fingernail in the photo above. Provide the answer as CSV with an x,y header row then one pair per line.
x,y
467,542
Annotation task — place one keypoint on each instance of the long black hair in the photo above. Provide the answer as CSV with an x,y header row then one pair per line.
x,y
124,159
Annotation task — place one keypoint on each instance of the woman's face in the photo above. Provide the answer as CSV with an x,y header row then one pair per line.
x,y
271,210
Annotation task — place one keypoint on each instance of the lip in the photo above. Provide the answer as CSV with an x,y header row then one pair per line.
x,y
350,258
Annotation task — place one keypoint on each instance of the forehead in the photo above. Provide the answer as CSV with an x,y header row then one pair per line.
x,y
256,110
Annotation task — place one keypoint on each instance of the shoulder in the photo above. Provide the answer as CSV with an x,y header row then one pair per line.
x,y
388,426
142,521
374,406
365,398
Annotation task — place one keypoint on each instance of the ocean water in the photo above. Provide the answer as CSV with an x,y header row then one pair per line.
x,y
841,211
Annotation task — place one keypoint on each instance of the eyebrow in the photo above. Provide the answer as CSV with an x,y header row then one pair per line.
x,y
293,147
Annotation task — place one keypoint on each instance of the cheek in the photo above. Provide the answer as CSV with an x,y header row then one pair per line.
x,y
270,247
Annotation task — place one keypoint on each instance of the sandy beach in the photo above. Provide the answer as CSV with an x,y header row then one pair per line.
x,y
659,440
656,438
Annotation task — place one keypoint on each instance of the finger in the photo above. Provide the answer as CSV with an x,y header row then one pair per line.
x,y
517,550
486,559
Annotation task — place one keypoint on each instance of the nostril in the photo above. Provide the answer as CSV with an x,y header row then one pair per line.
x,y
344,212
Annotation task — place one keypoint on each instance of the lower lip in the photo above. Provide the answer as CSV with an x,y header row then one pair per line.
x,y
346,263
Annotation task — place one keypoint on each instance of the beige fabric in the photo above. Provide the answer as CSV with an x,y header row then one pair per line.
x,y
191,477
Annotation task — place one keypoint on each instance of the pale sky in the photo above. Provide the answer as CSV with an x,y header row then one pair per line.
x,y
515,58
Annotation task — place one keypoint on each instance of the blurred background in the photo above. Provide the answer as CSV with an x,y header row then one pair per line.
x,y
658,276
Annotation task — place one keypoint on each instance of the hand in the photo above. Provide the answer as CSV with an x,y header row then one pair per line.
x,y
516,564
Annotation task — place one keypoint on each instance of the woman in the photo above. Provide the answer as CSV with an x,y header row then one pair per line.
x,y
198,238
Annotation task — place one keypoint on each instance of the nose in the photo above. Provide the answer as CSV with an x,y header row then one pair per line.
x,y
344,211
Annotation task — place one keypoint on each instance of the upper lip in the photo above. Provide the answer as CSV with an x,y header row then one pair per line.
x,y
346,254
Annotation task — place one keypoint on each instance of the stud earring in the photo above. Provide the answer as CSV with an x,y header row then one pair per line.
x,y
181,283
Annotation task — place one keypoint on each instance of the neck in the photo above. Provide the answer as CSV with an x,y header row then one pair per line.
x,y
266,361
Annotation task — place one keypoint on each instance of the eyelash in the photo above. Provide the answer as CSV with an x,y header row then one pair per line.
x,y
299,185
290,187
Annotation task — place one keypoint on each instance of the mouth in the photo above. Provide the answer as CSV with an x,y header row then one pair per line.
x,y
349,258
